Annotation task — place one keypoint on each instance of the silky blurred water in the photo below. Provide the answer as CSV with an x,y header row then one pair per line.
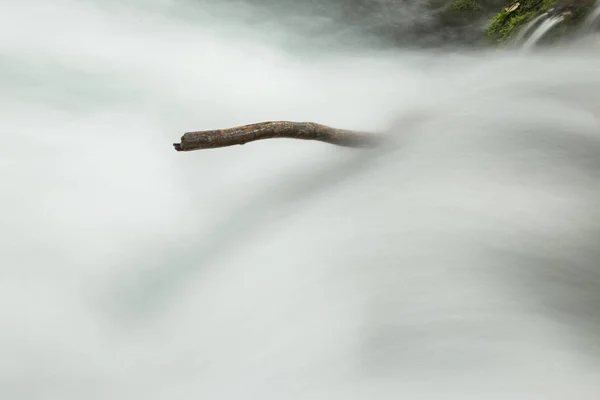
x,y
458,262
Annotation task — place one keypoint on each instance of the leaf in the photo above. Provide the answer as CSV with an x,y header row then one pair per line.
x,y
512,8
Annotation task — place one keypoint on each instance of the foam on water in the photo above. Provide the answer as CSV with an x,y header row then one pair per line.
x,y
459,262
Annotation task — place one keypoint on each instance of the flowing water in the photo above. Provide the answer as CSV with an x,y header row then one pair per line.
x,y
544,27
591,21
458,262
522,33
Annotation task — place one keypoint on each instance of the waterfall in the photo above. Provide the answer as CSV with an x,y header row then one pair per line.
x,y
541,31
591,21
522,34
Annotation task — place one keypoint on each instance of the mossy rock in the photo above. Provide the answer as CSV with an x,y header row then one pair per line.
x,y
516,14
505,25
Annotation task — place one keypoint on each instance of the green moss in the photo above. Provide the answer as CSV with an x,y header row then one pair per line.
x,y
503,25
464,5
506,23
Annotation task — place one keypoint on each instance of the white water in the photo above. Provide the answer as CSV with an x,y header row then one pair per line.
x,y
541,31
591,20
522,33
461,265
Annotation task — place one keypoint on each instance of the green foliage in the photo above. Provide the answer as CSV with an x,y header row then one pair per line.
x,y
464,5
506,23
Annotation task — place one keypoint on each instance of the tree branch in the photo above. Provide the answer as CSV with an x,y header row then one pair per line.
x,y
278,129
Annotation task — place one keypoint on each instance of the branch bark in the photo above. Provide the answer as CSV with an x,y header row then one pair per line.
x,y
275,129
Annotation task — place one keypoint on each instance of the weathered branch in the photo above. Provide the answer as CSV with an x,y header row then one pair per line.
x,y
277,129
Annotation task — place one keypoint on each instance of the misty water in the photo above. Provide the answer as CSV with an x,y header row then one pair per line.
x,y
460,261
